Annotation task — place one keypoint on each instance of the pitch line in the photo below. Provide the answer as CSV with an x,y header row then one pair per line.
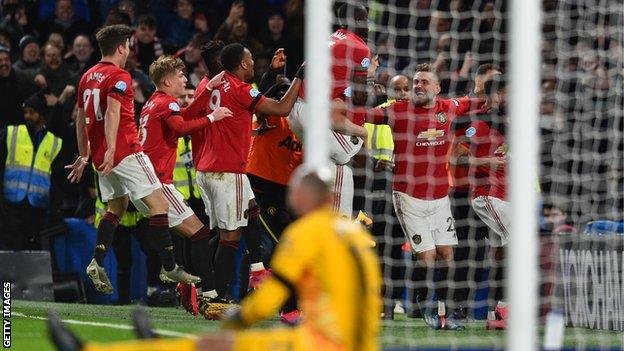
x,y
110,325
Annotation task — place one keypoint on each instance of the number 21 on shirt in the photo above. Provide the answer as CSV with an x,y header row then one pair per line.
x,y
86,97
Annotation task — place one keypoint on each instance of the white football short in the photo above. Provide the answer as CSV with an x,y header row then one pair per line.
x,y
133,176
426,223
343,190
226,197
495,213
341,147
179,210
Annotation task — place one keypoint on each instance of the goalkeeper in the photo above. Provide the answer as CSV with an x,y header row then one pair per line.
x,y
324,259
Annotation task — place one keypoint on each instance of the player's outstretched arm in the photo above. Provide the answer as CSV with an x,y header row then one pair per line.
x,y
182,128
282,108
83,149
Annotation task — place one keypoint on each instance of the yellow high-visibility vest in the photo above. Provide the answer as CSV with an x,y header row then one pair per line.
x,y
184,172
27,173
380,143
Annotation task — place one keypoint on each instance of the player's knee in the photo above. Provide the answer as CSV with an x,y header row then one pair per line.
x,y
445,253
498,253
426,258
118,206
229,235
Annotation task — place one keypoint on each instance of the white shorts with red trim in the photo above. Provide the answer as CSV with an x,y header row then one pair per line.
x,y
226,197
426,223
179,210
133,176
343,190
495,213
341,147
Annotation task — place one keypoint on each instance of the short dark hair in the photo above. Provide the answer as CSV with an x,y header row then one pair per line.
x,y
189,85
349,12
147,20
110,37
231,56
486,67
494,84
211,50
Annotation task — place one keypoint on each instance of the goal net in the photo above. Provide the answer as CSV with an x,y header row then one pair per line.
x,y
580,182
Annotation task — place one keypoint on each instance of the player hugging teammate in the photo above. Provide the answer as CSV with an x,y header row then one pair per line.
x,y
243,181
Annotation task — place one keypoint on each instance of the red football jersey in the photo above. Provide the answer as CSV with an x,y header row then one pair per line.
x,y
350,56
421,143
226,146
199,137
102,81
486,141
160,143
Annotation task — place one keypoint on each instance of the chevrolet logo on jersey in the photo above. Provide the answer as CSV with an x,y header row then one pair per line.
x,y
431,134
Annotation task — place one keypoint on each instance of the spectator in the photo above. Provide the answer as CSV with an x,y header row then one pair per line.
x,y
182,22
81,57
14,89
31,168
145,47
5,40
191,55
57,38
55,78
65,22
274,36
30,57
15,22
234,30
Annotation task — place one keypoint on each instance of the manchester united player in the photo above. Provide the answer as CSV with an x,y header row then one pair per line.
x,y
486,153
222,163
351,58
420,129
105,110
161,125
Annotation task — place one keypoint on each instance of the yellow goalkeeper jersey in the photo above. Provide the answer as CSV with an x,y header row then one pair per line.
x,y
329,263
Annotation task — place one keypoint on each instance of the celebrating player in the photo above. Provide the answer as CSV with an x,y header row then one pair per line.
x,y
222,162
486,153
420,129
161,125
105,106
351,58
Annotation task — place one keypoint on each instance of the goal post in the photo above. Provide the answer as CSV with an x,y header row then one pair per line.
x,y
525,97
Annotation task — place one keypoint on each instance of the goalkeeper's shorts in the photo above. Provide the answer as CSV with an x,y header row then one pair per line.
x,y
291,339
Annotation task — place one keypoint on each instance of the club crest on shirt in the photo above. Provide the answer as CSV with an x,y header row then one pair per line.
x,y
417,239
366,62
174,107
121,85
470,132
254,92
441,117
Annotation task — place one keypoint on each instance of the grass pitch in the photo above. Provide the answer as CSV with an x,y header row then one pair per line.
x,y
103,323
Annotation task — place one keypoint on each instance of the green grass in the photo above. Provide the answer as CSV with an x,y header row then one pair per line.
x,y
29,333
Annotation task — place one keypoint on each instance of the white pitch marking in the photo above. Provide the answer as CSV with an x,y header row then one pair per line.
x,y
110,325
